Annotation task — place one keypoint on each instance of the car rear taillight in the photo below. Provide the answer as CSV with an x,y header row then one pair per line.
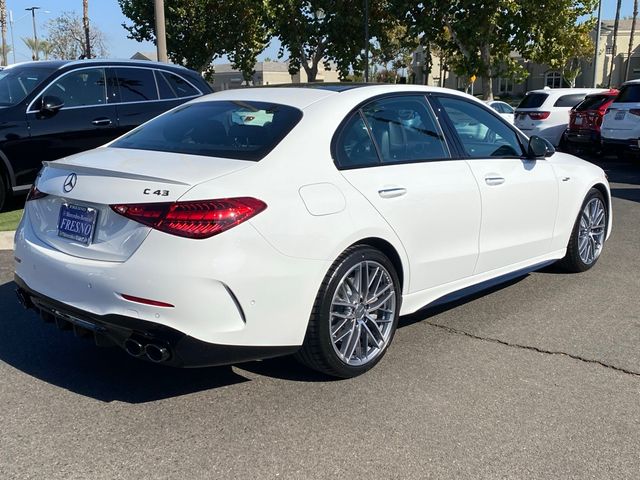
x,y
635,111
35,194
195,219
539,115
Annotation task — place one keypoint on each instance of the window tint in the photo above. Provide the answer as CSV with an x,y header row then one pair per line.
x,y
482,134
240,130
18,82
533,100
173,86
80,88
628,93
593,102
506,108
405,130
354,147
570,100
136,84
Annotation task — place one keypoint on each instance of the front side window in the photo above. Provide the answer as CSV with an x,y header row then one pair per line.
x,y
482,134
81,88
240,130
18,82
405,129
136,84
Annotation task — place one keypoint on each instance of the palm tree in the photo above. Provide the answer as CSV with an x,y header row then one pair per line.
x,y
31,45
3,27
614,48
46,48
85,22
633,32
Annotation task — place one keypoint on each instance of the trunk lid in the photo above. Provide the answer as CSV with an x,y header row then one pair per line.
x,y
80,190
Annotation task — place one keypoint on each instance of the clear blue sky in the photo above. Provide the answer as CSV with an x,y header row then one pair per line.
x,y
107,16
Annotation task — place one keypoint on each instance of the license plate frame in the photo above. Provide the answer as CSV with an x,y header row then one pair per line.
x,y
77,223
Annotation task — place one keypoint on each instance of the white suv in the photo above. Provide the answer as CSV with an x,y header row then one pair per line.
x,y
621,124
546,112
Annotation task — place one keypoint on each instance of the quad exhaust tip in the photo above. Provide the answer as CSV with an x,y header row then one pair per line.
x,y
155,353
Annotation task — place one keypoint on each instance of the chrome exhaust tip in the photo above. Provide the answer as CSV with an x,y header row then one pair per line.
x,y
156,353
133,347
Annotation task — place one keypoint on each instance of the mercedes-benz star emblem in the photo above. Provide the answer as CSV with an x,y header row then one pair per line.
x,y
70,182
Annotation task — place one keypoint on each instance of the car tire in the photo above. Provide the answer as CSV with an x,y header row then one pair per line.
x,y
588,234
355,314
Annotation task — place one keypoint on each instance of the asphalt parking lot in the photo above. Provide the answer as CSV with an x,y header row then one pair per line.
x,y
537,379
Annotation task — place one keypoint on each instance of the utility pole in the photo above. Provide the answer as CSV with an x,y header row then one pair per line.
x,y
366,41
13,43
161,35
85,22
3,21
36,56
596,57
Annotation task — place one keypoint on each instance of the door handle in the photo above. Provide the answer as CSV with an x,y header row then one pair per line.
x,y
392,192
101,121
494,180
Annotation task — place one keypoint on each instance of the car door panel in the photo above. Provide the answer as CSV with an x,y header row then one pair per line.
x,y
431,201
519,196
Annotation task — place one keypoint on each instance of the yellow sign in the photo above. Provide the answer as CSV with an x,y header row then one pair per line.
x,y
473,78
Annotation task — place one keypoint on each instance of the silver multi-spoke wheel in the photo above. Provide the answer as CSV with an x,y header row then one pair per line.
x,y
592,230
362,313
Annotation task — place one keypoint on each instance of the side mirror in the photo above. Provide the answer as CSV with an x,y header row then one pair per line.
x,y
537,147
550,150
51,105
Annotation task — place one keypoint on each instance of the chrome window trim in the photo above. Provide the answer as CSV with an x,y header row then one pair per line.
x,y
104,67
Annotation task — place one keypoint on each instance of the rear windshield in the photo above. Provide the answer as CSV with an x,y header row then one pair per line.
x,y
228,129
533,100
570,100
628,94
593,102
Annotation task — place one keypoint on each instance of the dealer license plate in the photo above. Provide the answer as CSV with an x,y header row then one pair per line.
x,y
77,223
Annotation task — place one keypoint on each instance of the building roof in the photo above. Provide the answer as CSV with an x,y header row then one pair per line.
x,y
623,26
153,56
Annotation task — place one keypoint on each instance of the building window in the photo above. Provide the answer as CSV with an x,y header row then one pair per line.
x,y
609,50
553,79
505,85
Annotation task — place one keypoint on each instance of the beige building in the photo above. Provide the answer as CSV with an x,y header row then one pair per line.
x,y
266,73
541,76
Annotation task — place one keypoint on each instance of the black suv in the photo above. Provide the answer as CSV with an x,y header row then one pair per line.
x,y
52,109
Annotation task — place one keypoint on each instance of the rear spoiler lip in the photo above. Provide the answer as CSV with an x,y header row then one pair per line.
x,y
110,173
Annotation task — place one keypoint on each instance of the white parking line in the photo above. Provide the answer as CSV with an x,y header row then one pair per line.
x,y
6,240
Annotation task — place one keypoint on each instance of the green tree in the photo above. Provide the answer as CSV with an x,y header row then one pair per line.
x,y
315,31
199,31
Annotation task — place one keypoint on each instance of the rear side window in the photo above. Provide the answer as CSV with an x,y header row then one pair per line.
x,y
593,102
628,94
570,100
533,100
173,86
405,130
136,84
354,146
239,130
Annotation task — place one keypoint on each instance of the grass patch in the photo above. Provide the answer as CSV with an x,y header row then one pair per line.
x,y
9,220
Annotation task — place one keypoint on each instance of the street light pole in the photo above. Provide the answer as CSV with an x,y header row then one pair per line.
x,y
161,35
596,56
35,32
366,41
13,43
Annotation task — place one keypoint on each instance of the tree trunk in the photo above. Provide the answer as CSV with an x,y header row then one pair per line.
x,y
614,48
487,78
3,27
633,31
85,22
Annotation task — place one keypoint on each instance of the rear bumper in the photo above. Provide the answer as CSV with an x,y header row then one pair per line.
x,y
584,137
182,349
621,144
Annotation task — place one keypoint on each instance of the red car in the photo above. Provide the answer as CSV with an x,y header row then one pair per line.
x,y
585,120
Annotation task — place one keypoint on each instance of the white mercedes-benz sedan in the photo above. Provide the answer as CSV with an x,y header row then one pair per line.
x,y
260,222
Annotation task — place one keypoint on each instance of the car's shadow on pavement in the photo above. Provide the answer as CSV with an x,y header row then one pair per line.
x,y
39,349
632,194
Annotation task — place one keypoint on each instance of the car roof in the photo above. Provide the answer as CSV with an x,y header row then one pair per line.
x,y
565,91
303,95
60,64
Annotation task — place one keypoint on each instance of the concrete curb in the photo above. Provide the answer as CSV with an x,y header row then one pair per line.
x,y
6,240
